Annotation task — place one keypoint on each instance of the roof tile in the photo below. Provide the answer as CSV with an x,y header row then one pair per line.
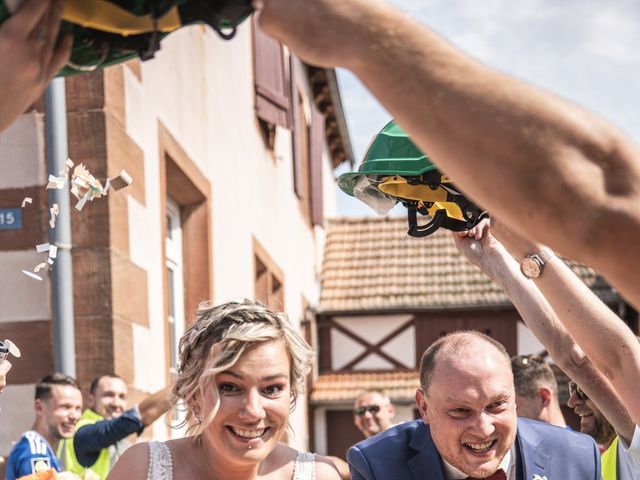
x,y
371,263
399,385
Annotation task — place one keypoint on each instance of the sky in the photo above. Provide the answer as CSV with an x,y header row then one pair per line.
x,y
587,51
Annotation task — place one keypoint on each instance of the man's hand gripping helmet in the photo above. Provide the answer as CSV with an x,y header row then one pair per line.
x,y
106,32
395,170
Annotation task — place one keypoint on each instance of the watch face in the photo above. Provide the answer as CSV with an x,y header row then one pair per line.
x,y
530,268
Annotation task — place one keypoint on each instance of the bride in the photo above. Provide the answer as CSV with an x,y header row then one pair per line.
x,y
241,368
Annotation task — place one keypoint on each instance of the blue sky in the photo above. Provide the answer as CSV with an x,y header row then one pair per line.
x,y
587,51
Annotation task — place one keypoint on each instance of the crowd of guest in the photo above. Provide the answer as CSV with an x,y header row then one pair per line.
x,y
242,366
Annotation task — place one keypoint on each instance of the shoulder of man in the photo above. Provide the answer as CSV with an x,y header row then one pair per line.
x,y
397,438
552,432
31,454
561,449
31,442
389,454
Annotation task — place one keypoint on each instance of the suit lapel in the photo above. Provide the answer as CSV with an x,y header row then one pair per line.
x,y
425,465
531,452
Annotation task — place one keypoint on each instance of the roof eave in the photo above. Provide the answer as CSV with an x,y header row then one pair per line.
x,y
326,92
409,309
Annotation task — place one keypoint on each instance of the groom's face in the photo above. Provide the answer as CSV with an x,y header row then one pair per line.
x,y
470,407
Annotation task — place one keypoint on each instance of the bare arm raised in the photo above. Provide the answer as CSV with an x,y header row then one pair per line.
x,y
605,339
30,55
542,164
483,250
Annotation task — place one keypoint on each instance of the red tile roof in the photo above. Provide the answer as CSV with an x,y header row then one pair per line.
x,y
372,264
344,387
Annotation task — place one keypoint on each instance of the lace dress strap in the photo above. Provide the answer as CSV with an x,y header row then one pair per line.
x,y
160,462
305,468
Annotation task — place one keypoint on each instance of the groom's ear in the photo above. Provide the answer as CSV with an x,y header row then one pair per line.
x,y
421,402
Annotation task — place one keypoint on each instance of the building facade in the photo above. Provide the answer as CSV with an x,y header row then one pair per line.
x,y
385,298
231,147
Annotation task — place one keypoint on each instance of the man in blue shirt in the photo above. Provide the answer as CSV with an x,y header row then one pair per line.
x,y
100,436
58,406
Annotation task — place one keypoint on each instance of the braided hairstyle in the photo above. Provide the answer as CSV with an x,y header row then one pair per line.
x,y
215,342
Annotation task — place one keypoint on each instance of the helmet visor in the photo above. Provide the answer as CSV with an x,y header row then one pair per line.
x,y
366,190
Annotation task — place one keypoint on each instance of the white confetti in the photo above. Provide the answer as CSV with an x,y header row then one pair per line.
x,y
40,267
43,247
53,251
56,182
13,348
32,275
27,200
81,202
121,181
55,211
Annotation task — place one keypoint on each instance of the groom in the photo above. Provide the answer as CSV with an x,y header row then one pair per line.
x,y
469,427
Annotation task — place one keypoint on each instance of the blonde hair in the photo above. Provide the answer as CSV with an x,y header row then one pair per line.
x,y
219,337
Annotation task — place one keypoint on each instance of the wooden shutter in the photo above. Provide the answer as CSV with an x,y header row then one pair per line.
x,y
271,79
316,148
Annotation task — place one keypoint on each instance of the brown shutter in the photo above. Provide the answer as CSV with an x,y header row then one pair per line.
x,y
271,79
316,147
296,137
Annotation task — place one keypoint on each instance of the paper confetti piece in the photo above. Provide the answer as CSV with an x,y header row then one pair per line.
x,y
43,247
50,261
81,202
13,348
121,181
27,200
53,251
84,186
32,275
56,182
40,267
68,165
55,211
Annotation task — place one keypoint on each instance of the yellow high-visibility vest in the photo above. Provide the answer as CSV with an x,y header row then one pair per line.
x,y
67,454
609,461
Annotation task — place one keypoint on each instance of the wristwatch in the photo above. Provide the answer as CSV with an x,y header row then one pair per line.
x,y
532,265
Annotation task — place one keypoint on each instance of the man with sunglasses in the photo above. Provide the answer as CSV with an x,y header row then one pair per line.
x,y
373,412
547,302
592,421
618,462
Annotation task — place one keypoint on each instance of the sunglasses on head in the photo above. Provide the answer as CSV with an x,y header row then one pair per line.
x,y
372,409
574,388
526,361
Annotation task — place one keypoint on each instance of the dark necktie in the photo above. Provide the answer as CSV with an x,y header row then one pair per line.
x,y
498,475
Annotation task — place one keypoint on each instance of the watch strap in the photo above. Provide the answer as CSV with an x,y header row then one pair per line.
x,y
543,255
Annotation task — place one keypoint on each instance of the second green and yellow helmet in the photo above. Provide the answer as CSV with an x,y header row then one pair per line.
x,y
395,170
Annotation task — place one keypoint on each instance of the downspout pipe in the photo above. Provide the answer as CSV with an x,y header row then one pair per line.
x,y
64,346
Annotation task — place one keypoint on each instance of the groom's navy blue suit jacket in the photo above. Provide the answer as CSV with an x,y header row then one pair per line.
x,y
407,452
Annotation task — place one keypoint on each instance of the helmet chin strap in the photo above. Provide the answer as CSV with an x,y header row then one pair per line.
x,y
440,219
420,231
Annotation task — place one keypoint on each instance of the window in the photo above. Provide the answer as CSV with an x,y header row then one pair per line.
x,y
175,279
269,280
186,218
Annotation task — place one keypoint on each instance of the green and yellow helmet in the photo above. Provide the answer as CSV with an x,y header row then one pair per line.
x,y
395,170
107,32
